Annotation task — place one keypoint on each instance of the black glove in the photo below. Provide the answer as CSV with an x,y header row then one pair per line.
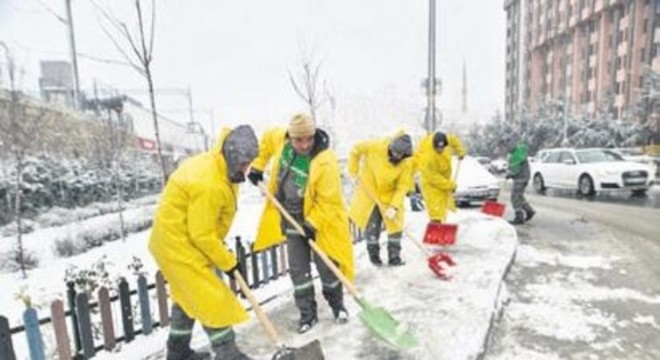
x,y
508,176
230,272
461,157
310,232
255,176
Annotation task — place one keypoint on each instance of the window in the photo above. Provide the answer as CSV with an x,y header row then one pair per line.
x,y
566,156
641,81
646,26
552,157
642,54
617,88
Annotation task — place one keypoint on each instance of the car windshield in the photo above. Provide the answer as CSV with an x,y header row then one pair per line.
x,y
595,156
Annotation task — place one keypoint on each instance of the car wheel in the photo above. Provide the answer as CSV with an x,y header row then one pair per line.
x,y
539,185
639,192
586,185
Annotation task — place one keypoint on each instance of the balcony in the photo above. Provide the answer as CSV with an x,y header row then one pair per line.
x,y
620,76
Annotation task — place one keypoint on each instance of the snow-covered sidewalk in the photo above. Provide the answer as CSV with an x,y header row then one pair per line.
x,y
451,318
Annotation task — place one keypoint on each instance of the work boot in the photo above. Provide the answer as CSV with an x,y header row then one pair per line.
x,y
529,212
519,219
228,351
179,351
305,325
341,315
374,255
396,261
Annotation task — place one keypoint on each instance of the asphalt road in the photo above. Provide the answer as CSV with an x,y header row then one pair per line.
x,y
584,284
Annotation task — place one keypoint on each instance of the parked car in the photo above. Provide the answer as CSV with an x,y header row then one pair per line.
x,y
474,182
589,171
499,166
636,154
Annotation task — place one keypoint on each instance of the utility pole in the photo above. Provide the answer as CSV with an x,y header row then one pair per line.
x,y
190,105
74,59
430,121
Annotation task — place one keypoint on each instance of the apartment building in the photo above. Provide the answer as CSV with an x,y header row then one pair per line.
x,y
591,52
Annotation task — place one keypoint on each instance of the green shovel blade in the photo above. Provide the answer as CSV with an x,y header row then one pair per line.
x,y
384,326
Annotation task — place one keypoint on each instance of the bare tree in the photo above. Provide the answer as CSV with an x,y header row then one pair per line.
x,y
112,140
315,92
308,85
21,125
137,49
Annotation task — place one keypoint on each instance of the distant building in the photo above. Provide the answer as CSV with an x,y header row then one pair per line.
x,y
56,83
592,52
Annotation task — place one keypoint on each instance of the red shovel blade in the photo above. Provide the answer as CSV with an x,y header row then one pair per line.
x,y
436,264
493,208
440,234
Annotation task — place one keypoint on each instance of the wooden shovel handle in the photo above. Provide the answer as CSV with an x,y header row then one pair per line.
x,y
261,315
373,198
331,265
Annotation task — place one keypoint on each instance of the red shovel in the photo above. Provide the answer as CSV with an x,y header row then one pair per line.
x,y
434,261
493,208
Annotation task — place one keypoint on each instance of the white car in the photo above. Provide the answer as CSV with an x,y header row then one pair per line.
x,y
474,182
589,171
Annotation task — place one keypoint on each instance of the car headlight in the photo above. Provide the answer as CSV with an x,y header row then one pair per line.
x,y
607,172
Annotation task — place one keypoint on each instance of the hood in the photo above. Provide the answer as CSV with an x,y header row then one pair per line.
x,y
236,147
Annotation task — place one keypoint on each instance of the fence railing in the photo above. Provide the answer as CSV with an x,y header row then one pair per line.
x,y
258,268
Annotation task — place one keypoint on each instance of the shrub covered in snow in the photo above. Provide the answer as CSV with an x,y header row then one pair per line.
x,y
94,236
51,184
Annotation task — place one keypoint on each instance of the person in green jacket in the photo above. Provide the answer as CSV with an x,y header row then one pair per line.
x,y
519,172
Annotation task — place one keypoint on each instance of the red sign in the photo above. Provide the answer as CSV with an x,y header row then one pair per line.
x,y
146,144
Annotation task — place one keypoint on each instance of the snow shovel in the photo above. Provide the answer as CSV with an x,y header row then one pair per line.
x,y
434,261
377,319
441,234
309,351
493,208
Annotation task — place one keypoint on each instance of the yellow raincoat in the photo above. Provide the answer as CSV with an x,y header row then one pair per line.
x,y
194,216
435,169
323,203
388,182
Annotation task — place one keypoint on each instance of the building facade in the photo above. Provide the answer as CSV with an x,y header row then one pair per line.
x,y
589,54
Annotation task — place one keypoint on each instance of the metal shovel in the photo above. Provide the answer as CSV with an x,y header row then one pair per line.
x,y
309,351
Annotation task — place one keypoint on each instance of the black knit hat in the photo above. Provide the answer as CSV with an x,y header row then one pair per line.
x,y
402,145
439,140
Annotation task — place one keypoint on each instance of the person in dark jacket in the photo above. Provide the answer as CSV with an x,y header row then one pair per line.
x,y
519,172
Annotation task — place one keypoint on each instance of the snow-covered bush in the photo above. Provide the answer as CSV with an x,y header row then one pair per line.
x,y
11,261
94,236
68,247
88,280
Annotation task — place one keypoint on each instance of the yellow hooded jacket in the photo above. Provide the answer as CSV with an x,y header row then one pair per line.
x,y
388,182
323,203
435,170
194,215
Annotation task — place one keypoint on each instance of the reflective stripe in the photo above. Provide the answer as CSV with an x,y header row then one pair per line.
x,y
332,285
221,335
371,240
394,240
304,286
175,332
299,172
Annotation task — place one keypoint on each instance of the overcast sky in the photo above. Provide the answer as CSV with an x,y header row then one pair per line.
x,y
235,54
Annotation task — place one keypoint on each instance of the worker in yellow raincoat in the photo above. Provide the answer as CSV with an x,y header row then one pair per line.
x,y
433,162
194,215
383,169
305,178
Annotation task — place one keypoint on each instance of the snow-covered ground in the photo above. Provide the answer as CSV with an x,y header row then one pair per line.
x,y
450,318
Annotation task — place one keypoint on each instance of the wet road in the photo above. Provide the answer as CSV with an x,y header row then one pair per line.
x,y
584,284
